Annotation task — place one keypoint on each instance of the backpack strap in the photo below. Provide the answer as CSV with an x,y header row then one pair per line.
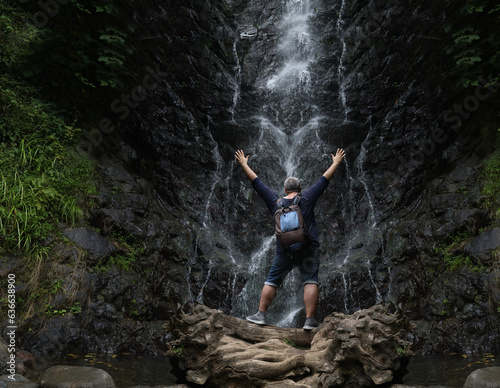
x,y
297,199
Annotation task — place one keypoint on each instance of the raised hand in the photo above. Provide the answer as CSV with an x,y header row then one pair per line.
x,y
243,162
335,163
240,157
338,156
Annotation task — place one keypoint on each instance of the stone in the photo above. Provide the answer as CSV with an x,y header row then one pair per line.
x,y
4,351
96,245
484,378
483,245
25,361
160,386
64,376
19,381
417,386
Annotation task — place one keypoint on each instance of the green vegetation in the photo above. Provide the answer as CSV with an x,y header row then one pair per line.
x,y
42,182
77,51
290,343
445,311
293,344
49,310
401,350
178,350
130,251
473,41
56,66
75,309
447,251
491,188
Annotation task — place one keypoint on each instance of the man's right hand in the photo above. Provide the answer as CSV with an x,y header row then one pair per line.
x,y
338,156
240,157
335,163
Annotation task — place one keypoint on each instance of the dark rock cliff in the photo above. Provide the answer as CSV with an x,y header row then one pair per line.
x,y
177,222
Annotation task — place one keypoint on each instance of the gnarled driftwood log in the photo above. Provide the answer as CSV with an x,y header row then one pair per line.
x,y
364,349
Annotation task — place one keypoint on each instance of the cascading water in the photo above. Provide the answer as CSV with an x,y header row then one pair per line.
x,y
288,126
291,142
356,177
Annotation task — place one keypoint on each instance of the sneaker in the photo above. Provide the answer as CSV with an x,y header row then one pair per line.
x,y
259,318
310,324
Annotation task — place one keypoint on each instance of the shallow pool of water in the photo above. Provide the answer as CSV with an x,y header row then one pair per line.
x,y
126,370
450,371
129,370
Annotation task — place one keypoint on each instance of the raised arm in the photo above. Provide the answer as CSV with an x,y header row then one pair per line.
x,y
335,163
243,162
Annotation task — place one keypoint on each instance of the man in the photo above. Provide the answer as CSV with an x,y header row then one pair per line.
x,y
306,260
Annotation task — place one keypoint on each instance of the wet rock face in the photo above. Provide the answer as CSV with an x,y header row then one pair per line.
x,y
174,206
482,247
96,245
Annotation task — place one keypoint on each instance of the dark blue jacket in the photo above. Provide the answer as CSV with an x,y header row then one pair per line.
x,y
309,198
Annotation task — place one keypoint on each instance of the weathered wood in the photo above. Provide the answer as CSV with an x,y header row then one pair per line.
x,y
359,350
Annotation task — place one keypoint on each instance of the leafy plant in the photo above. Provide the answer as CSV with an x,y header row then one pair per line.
x,y
491,188
49,311
75,309
177,350
131,251
452,259
41,182
124,262
472,40
57,287
292,344
79,55
288,342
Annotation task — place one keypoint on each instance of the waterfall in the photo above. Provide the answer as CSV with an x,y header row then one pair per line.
x,y
288,125
209,231
295,137
341,68
237,79
356,176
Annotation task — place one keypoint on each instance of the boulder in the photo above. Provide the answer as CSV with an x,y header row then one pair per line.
x,y
362,349
482,246
18,381
417,386
4,351
64,376
484,378
96,245
161,386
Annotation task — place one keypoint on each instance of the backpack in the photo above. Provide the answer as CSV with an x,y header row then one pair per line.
x,y
290,227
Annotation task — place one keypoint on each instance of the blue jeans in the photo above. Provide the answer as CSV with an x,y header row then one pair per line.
x,y
307,261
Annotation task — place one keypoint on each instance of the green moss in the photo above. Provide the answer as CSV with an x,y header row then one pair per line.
x,y
178,350
130,252
448,251
491,186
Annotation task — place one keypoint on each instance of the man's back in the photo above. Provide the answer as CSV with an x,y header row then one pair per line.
x,y
309,199
307,259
